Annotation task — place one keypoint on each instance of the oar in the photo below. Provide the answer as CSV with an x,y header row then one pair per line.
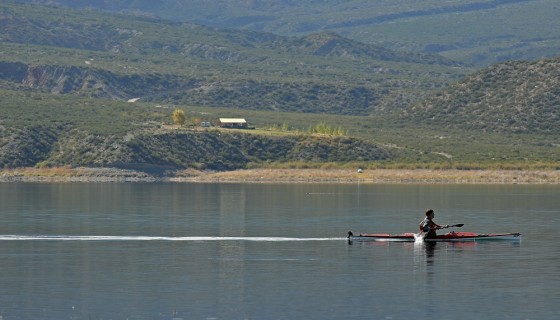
x,y
459,225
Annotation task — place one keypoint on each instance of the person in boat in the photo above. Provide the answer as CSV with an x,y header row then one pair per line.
x,y
428,225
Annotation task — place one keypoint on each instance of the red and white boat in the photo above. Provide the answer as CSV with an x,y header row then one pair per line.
x,y
448,237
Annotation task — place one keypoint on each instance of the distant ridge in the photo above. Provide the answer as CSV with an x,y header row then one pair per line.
x,y
480,32
445,9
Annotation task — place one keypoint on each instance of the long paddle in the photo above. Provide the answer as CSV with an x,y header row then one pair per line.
x,y
459,225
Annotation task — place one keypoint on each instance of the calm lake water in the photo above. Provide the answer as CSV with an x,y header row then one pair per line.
x,y
265,251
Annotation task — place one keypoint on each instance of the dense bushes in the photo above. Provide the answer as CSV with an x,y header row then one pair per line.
x,y
26,147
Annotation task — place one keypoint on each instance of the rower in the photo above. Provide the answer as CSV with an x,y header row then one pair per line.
x,y
429,226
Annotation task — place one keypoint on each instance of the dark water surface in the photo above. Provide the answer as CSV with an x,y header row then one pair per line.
x,y
264,251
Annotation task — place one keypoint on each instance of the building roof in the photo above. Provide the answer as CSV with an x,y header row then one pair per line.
x,y
232,120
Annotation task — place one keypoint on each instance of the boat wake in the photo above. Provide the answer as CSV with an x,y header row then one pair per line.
x,y
153,238
419,237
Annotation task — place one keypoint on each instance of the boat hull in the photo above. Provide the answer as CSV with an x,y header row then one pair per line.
x,y
448,237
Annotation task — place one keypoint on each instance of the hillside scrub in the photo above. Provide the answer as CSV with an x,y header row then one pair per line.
x,y
511,97
213,150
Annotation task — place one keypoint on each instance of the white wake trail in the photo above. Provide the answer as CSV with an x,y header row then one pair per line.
x,y
153,238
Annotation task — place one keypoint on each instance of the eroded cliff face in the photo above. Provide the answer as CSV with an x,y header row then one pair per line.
x,y
96,83
63,79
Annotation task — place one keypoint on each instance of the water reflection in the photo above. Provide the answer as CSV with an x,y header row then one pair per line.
x,y
425,257
429,250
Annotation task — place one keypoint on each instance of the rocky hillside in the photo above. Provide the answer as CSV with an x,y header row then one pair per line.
x,y
122,57
65,77
50,146
512,97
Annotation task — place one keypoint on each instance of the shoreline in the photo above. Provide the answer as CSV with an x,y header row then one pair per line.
x,y
373,176
379,176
